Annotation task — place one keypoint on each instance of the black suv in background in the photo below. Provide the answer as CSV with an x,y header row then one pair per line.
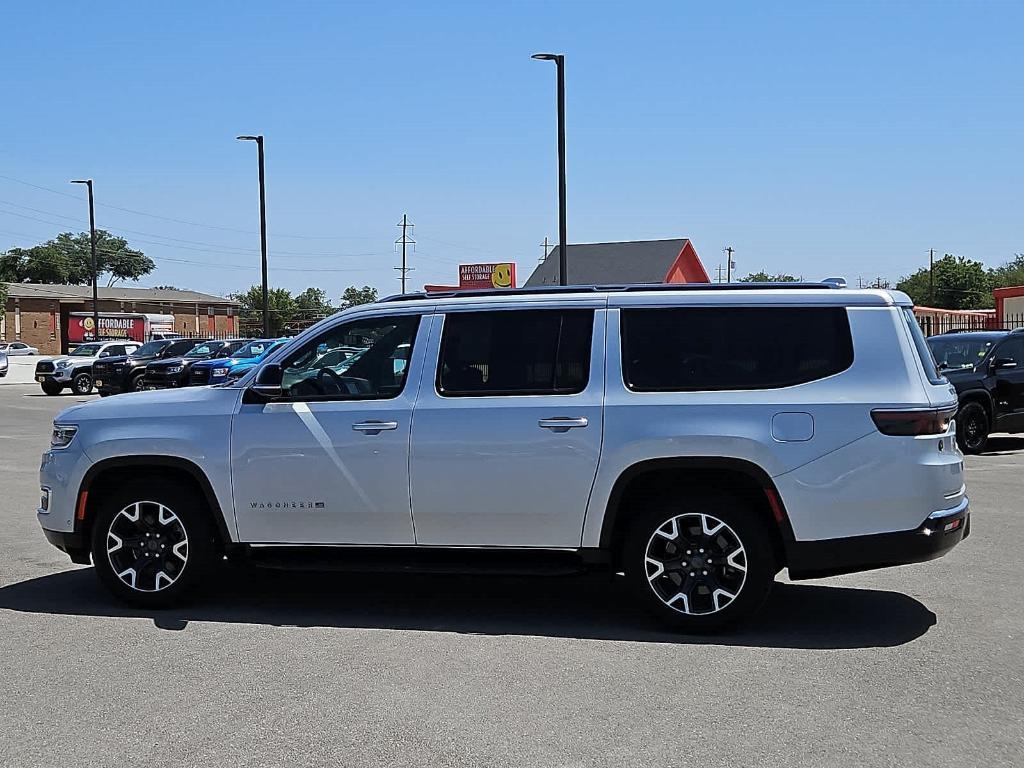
x,y
124,373
987,369
165,374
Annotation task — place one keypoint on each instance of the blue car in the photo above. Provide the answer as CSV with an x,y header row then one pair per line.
x,y
228,368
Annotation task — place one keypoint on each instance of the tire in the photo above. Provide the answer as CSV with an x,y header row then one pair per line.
x,y
152,542
972,427
52,388
686,528
81,384
102,393
138,384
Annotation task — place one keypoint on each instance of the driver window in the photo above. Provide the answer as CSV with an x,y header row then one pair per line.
x,y
362,359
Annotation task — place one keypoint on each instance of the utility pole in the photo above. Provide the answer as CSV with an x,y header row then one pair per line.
x,y
404,240
728,265
545,248
563,244
719,273
263,231
92,250
931,277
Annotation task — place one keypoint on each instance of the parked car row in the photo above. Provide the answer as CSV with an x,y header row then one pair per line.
x,y
118,366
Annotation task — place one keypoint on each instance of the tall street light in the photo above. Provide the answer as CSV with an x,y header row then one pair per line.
x,y
263,232
559,59
92,248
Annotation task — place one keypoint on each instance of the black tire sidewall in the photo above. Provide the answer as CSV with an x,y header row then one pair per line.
x,y
52,389
136,382
194,514
975,410
731,509
74,383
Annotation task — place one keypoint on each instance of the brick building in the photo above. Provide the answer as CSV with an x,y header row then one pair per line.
x,y
38,313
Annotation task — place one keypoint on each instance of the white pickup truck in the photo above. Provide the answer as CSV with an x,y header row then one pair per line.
x,y
75,370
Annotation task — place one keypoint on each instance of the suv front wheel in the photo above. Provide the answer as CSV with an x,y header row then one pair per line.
x,y
152,542
700,561
972,427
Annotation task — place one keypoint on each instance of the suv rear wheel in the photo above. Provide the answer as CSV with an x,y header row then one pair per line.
x,y
152,542
972,428
82,383
700,561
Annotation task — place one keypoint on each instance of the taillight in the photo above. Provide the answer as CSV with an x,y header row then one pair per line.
x,y
910,422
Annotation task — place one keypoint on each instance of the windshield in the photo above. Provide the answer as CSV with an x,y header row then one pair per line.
x,y
150,348
202,350
86,350
252,349
957,352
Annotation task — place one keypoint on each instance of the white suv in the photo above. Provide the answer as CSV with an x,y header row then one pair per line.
x,y
74,371
698,439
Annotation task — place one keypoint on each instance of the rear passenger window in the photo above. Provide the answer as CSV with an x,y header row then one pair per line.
x,y
515,352
742,348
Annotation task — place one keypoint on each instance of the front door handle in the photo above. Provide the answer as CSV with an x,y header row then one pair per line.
x,y
563,423
374,427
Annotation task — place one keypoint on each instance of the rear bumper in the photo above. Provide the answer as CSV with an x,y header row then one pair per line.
x,y
940,532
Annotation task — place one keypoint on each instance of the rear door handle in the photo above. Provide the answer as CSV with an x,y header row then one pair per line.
x,y
374,427
563,423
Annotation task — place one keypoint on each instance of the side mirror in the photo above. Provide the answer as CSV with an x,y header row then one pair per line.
x,y
268,381
1003,363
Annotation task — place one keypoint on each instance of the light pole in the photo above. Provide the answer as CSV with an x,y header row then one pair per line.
x,y
263,232
559,59
92,249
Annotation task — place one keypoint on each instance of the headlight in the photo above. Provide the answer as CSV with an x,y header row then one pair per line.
x,y
63,363
220,371
62,436
174,369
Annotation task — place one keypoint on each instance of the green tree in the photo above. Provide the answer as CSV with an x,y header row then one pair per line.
x,y
67,260
313,303
1010,273
353,296
764,277
960,283
282,309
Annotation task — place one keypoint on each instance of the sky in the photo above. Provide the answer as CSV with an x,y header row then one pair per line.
x,y
818,139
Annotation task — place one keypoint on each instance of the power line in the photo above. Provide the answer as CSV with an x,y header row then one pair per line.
x,y
171,218
215,247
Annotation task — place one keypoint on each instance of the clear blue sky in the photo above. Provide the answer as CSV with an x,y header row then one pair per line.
x,y
818,138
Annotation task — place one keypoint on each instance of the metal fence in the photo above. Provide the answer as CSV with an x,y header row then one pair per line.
x,y
932,325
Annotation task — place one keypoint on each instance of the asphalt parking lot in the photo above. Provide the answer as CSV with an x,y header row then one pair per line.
x,y
920,665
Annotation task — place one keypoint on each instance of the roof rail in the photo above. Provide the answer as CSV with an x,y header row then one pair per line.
x,y
558,289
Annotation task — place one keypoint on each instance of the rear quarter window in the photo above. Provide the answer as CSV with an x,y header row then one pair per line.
x,y
732,348
924,352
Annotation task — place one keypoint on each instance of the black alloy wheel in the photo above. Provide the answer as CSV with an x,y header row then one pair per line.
x,y
152,542
972,427
700,560
82,383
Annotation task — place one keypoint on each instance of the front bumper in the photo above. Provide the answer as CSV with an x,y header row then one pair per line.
x,y
165,380
74,544
940,532
61,376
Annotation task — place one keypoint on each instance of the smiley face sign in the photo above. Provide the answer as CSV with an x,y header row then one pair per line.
x,y
500,275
